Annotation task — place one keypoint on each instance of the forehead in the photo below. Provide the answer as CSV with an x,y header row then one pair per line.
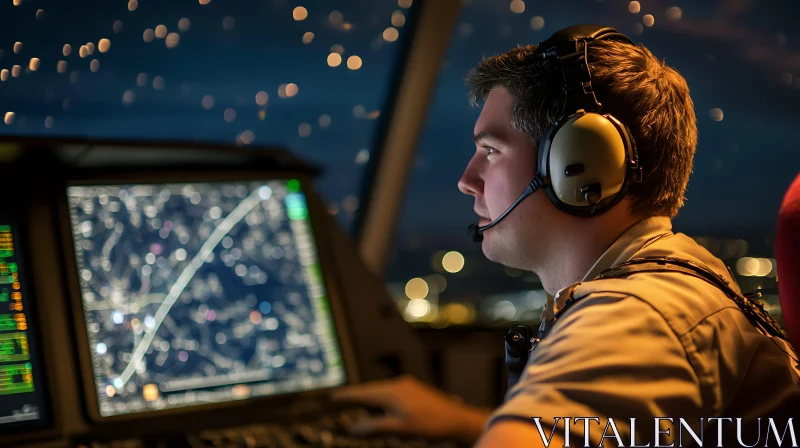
x,y
495,117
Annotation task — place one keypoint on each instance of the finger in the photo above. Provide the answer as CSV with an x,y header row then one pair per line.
x,y
378,425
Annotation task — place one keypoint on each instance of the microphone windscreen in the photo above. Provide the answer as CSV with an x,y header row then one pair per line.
x,y
475,233
787,256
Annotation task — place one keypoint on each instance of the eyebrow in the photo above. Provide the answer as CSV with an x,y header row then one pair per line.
x,y
487,136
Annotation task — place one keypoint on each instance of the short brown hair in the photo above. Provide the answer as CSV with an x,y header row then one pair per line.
x,y
633,85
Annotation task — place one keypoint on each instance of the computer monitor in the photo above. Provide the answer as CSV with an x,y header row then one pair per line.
x,y
23,402
201,293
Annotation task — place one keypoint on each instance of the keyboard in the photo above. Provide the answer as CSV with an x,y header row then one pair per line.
x,y
327,429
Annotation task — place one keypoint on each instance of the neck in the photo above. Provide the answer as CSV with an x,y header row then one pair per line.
x,y
579,250
571,263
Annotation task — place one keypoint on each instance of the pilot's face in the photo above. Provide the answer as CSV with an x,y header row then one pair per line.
x,y
504,163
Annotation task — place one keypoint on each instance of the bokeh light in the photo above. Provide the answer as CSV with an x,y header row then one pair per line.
x,y
354,62
103,45
148,35
453,262
362,157
208,102
247,137
350,203
674,13
299,13
262,98
161,31
437,283
390,34
416,289
398,19
418,308
335,17
128,97
172,40
334,60
158,83
229,115
517,6
184,24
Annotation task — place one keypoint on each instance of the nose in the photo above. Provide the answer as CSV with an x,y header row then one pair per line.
x,y
471,181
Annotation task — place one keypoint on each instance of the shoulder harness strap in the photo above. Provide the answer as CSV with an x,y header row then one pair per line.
x,y
754,311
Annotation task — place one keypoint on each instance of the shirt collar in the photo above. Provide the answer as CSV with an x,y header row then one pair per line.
x,y
632,240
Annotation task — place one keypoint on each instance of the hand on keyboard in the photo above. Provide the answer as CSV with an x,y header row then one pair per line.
x,y
415,409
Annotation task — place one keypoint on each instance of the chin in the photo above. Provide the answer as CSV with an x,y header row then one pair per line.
x,y
491,251
506,255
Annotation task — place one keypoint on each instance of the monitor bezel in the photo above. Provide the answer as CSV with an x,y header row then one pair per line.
x,y
143,176
45,424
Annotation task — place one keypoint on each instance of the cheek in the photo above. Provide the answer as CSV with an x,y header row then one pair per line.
x,y
502,186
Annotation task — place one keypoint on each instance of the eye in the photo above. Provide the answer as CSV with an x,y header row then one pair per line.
x,y
489,150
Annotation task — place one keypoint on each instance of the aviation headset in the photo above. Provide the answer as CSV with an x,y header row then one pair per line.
x,y
588,158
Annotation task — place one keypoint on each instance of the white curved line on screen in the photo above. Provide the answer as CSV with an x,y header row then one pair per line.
x,y
216,236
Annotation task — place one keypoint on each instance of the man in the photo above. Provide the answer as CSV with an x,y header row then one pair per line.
x,y
652,345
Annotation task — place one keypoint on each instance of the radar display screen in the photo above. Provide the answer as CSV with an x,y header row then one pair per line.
x,y
21,392
201,293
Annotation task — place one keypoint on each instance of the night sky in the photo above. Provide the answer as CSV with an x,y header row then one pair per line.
x,y
739,56
261,49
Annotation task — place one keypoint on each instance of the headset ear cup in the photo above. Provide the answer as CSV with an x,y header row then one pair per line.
x,y
586,162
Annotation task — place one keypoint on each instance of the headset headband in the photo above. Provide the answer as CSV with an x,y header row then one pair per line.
x,y
569,46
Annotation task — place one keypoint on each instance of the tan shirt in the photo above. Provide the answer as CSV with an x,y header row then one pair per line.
x,y
654,345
